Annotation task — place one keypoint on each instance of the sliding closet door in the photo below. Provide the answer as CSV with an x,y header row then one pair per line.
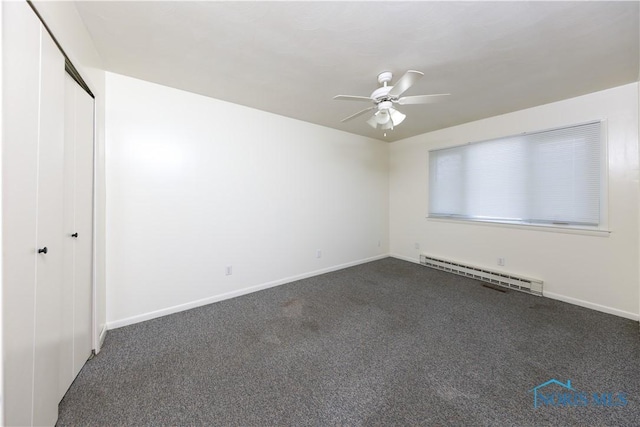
x,y
49,233
78,225
33,106
68,276
20,83
83,295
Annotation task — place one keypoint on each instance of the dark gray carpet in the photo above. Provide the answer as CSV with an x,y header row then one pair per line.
x,y
384,343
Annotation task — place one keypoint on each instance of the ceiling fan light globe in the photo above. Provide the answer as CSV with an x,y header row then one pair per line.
x,y
372,122
396,116
382,117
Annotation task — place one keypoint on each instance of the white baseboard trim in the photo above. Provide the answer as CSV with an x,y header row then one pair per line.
x,y
221,297
591,305
559,297
405,258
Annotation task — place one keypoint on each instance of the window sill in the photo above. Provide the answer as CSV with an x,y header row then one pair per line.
x,y
567,229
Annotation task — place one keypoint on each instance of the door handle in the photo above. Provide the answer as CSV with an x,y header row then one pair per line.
x,y
75,235
43,250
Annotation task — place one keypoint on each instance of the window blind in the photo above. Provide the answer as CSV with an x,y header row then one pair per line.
x,y
549,177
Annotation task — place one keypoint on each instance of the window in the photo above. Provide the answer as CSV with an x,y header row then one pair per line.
x,y
548,177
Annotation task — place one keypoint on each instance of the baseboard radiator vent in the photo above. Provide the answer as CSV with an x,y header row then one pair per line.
x,y
518,283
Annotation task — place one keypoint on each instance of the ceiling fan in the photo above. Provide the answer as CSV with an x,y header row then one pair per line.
x,y
383,98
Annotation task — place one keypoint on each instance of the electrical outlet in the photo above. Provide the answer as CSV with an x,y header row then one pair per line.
x,y
228,271
501,261
318,253
417,245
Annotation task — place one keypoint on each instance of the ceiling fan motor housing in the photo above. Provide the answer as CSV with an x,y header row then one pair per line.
x,y
381,94
385,105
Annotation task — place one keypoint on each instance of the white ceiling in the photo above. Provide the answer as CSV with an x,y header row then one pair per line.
x,y
290,58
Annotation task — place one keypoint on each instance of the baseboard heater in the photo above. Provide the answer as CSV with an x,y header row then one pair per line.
x,y
507,280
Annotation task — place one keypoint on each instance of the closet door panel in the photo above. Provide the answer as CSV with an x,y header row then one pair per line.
x,y
66,343
49,234
78,221
84,227
21,56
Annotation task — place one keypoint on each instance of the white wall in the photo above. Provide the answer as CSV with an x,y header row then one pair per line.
x,y
65,23
593,271
197,184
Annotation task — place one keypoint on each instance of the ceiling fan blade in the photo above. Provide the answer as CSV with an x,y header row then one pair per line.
x,y
405,82
352,98
359,113
422,99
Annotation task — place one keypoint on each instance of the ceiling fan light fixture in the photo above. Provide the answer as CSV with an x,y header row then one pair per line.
x,y
386,117
396,116
382,117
